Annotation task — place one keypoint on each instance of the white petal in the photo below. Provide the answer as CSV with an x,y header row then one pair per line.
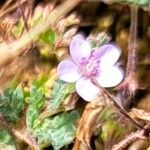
x,y
86,89
80,49
68,71
110,77
108,54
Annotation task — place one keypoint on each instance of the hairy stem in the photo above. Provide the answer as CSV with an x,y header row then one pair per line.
x,y
132,45
120,109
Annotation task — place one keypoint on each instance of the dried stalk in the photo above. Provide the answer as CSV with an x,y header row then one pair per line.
x,y
8,52
28,140
23,15
8,127
130,138
120,109
9,9
129,86
132,45
6,5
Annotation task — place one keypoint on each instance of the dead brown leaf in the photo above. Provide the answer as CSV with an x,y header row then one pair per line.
x,y
140,114
87,124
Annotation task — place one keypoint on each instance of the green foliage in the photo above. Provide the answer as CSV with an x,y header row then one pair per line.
x,y
135,2
61,91
58,131
36,98
5,137
48,37
111,129
12,103
6,140
36,101
40,81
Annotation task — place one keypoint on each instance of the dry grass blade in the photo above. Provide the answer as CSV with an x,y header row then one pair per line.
x,y
9,9
23,16
6,5
8,52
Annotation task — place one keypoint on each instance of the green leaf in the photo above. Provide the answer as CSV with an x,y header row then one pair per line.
x,y
135,2
40,81
58,131
112,129
36,101
61,91
7,147
48,37
12,103
5,138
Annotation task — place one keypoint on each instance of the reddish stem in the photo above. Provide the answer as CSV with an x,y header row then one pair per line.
x,y
132,45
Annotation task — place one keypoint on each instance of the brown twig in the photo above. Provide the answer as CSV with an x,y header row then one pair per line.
x,y
27,139
120,109
30,9
130,138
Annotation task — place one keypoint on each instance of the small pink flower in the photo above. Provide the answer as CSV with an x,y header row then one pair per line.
x,y
86,64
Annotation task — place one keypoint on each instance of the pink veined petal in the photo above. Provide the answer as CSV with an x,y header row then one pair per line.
x,y
68,71
110,77
80,49
108,54
86,89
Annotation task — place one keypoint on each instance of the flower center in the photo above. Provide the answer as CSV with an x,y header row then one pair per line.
x,y
90,68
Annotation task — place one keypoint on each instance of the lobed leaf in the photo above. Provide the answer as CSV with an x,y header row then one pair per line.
x,y
58,131
12,103
60,92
